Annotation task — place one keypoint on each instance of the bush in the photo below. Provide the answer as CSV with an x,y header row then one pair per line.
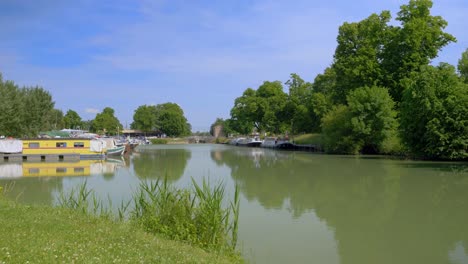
x,y
362,126
158,141
338,133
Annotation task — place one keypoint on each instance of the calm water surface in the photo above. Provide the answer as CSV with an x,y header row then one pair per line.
x,y
295,207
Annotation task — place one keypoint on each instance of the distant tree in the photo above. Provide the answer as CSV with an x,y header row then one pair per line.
x,y
463,66
434,113
244,114
262,109
56,119
171,121
38,107
106,122
296,110
72,120
144,118
87,125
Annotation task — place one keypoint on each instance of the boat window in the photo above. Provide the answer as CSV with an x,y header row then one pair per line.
x,y
61,170
34,170
61,144
78,144
79,169
34,145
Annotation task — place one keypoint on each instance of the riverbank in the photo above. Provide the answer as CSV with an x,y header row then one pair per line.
x,y
43,234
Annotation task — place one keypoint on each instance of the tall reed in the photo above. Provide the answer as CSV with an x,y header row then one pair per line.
x,y
198,215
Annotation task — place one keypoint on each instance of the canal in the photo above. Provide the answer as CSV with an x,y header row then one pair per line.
x,y
296,207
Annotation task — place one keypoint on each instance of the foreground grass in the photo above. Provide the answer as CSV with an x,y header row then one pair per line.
x,y
39,234
309,139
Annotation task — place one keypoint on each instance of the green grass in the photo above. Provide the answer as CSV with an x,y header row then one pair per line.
x,y
38,234
309,139
158,141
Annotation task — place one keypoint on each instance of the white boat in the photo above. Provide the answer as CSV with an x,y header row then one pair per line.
x,y
273,142
116,151
112,147
250,142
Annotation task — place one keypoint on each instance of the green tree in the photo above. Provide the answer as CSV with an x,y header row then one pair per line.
x,y
171,121
72,120
262,109
358,54
144,118
106,122
414,44
463,66
296,109
325,83
363,125
56,119
38,107
244,114
338,132
434,113
373,117
10,109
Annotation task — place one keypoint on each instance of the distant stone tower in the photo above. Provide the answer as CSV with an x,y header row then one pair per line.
x,y
218,131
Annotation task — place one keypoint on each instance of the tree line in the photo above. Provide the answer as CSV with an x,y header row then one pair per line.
x,y
27,111
380,94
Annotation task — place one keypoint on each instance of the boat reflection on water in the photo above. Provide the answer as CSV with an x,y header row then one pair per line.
x,y
59,168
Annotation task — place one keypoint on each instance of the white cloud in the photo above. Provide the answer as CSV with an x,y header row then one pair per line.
x,y
92,110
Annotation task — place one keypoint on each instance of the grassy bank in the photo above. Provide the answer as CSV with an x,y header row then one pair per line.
x,y
82,229
50,235
309,139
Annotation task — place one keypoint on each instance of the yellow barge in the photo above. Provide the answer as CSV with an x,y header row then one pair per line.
x,y
52,149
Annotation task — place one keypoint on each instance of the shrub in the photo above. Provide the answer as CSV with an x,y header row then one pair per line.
x,y
362,126
159,141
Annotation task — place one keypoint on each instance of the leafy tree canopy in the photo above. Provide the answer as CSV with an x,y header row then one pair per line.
x,y
72,120
106,122
434,113
463,66
144,118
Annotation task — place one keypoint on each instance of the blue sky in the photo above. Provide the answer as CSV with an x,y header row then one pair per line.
x,y
199,54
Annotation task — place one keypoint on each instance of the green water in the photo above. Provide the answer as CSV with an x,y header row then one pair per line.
x,y
302,207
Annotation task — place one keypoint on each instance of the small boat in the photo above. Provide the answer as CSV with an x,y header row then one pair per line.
x,y
113,147
116,151
273,142
250,142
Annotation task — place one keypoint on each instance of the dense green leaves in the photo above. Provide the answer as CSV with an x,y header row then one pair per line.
x,y
24,112
463,66
359,53
434,113
414,44
72,120
144,118
363,125
261,109
171,121
106,122
166,118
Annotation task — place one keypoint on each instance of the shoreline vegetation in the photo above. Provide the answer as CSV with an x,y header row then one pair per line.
x,y
382,93
162,224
